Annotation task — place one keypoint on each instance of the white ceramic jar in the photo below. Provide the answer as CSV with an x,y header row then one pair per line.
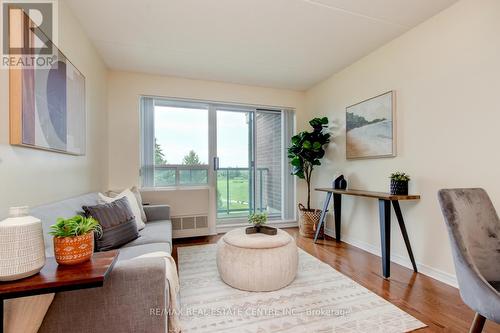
x,y
22,249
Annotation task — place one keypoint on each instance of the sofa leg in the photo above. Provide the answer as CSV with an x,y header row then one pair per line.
x,y
477,324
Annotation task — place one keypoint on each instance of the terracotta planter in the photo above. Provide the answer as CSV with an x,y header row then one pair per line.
x,y
74,250
308,222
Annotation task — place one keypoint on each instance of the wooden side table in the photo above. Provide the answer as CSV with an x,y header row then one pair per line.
x,y
384,203
55,278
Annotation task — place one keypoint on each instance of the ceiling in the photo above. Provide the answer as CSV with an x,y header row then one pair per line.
x,y
290,44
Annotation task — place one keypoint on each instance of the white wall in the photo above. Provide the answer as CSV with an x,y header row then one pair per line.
x,y
125,88
124,91
33,177
446,73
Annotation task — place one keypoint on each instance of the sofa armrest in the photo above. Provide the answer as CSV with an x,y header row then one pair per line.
x,y
157,212
133,299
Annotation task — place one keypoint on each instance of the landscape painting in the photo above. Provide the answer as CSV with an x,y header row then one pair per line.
x,y
370,128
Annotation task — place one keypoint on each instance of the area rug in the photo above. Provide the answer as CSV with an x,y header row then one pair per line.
x,y
319,300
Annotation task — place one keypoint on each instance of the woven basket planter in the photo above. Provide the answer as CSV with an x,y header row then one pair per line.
x,y
308,222
74,250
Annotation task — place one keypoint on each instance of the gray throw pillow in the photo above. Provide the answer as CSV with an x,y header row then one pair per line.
x,y
117,222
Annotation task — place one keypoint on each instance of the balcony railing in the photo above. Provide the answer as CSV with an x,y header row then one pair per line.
x,y
234,191
180,174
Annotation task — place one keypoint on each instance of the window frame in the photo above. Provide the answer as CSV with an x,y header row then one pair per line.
x,y
288,127
147,163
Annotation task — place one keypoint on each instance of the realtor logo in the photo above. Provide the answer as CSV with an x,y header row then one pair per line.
x,y
29,33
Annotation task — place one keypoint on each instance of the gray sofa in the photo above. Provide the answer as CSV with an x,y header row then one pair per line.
x,y
131,292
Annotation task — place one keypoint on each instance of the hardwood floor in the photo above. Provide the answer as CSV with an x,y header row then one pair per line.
x,y
436,304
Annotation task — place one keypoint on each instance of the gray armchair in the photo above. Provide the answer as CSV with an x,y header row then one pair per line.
x,y
474,230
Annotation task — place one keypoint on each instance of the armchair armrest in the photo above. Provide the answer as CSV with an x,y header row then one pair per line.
x,y
133,299
157,212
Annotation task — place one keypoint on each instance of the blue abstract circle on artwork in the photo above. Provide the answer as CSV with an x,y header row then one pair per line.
x,y
56,99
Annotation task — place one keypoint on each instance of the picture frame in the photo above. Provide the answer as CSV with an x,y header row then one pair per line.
x,y
47,108
371,128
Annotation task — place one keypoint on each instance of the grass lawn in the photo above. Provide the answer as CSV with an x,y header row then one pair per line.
x,y
238,193
238,196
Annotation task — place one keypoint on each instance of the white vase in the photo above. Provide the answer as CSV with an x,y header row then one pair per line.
x,y
22,249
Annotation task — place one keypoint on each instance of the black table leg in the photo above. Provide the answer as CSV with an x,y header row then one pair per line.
x,y
385,235
399,215
323,214
337,211
1,315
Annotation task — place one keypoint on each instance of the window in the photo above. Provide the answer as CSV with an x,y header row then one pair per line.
x,y
175,143
239,151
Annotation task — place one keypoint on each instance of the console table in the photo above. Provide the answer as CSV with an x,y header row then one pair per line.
x,y
384,204
55,278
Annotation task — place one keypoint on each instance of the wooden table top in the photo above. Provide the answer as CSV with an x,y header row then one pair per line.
x,y
370,194
56,278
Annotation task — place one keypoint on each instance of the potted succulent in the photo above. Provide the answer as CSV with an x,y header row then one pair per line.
x,y
399,183
74,239
305,153
258,221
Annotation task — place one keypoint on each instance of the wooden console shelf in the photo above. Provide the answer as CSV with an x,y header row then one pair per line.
x,y
370,194
384,200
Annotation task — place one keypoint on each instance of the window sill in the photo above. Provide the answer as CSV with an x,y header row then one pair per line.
x,y
175,188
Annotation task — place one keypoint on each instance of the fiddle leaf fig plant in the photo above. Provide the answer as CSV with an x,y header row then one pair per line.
x,y
306,151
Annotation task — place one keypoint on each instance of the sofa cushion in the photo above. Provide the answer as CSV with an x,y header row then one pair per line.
x,y
117,221
133,203
49,213
131,252
138,197
155,232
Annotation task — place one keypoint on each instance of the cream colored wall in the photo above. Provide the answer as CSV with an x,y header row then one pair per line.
x,y
183,202
446,73
124,91
33,177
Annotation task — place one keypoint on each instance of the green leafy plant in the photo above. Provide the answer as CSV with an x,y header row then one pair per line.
x,y
257,219
399,176
75,226
306,151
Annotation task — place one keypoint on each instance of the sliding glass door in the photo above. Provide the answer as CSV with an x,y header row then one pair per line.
x,y
249,164
234,164
269,171
237,153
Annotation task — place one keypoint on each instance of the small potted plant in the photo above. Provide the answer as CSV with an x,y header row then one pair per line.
x,y
258,221
399,183
74,239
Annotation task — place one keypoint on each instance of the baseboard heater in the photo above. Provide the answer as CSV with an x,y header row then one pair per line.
x,y
189,226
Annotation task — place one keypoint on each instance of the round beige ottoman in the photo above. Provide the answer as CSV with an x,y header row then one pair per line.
x,y
257,262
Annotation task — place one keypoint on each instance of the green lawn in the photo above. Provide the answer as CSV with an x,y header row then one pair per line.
x,y
238,193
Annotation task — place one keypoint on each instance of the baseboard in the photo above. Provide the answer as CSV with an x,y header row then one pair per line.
x,y
432,272
190,233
